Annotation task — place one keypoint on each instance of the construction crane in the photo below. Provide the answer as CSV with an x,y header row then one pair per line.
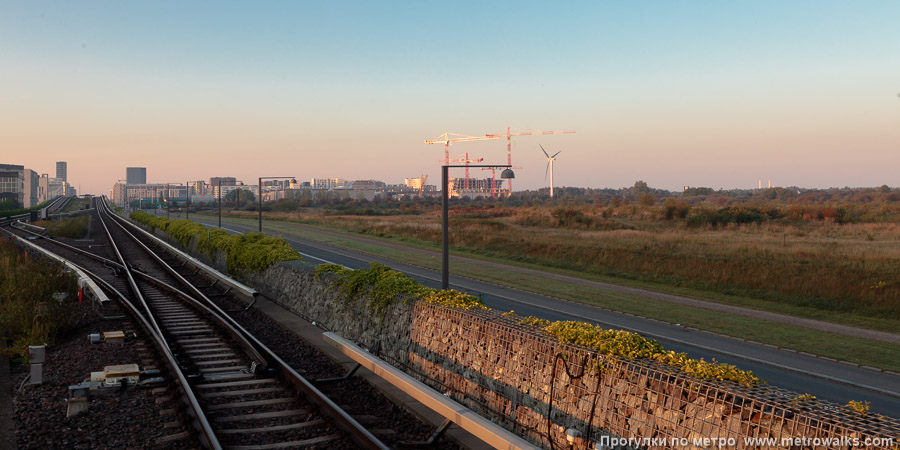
x,y
448,138
466,161
509,136
494,179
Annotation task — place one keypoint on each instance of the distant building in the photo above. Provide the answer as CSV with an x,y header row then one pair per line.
x,y
198,187
478,187
226,181
415,183
57,188
136,175
328,183
12,183
31,194
62,171
373,185
125,193
230,186
227,189
43,188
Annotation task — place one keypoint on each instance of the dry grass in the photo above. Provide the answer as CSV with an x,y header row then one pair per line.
x,y
840,267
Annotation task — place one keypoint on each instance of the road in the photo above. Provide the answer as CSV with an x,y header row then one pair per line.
x,y
832,381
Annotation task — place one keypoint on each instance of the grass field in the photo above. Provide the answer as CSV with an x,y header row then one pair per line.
x,y
842,268
862,351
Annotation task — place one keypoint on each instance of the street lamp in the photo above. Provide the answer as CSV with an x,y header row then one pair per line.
x,y
445,221
259,196
187,201
220,202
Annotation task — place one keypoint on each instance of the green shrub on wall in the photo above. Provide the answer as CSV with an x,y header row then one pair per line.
x,y
383,286
243,252
625,344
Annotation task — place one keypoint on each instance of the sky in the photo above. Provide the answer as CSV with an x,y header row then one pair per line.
x,y
698,93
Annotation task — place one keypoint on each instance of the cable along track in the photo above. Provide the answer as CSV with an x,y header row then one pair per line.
x,y
239,393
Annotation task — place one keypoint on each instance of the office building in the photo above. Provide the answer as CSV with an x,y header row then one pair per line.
x,y
31,193
136,175
12,183
62,171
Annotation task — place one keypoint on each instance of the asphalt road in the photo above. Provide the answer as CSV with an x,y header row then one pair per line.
x,y
827,380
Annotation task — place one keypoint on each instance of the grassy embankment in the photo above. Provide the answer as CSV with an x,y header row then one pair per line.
x,y
76,204
825,271
73,228
29,314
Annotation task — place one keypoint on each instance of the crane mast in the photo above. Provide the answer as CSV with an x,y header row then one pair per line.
x,y
509,136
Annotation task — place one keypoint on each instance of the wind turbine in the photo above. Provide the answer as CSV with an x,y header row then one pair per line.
x,y
550,160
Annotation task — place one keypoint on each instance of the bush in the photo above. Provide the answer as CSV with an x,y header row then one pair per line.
x,y
28,313
73,228
383,286
625,344
244,252
672,209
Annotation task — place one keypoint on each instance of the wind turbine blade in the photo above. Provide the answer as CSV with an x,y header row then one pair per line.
x,y
547,170
554,155
545,151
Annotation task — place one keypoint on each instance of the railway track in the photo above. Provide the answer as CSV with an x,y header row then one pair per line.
x,y
237,392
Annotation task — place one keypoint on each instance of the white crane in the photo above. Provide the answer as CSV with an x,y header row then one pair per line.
x,y
550,160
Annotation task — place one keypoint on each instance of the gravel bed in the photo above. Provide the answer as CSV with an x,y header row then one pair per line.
x,y
131,418
128,418
355,395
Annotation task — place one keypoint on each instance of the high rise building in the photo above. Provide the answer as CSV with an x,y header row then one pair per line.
x,y
136,175
62,171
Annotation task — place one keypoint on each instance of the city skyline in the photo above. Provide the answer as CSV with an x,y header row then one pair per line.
x,y
697,94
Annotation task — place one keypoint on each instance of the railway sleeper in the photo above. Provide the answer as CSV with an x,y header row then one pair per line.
x,y
291,444
226,354
234,393
216,361
292,426
198,340
222,369
263,415
236,383
211,348
251,403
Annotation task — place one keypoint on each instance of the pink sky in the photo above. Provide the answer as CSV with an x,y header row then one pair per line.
x,y
699,96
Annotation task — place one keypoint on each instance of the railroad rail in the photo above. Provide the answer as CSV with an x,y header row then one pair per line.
x,y
43,213
238,393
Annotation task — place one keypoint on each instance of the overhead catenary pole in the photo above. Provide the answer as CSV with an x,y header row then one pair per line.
x,y
465,160
220,203
445,217
259,197
445,227
259,203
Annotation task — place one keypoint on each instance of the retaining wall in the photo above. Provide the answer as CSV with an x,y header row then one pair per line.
x,y
541,389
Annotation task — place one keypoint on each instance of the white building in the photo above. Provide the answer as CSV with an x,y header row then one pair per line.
x,y
328,183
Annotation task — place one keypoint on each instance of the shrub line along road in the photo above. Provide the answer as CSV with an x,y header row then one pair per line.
x,y
828,380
